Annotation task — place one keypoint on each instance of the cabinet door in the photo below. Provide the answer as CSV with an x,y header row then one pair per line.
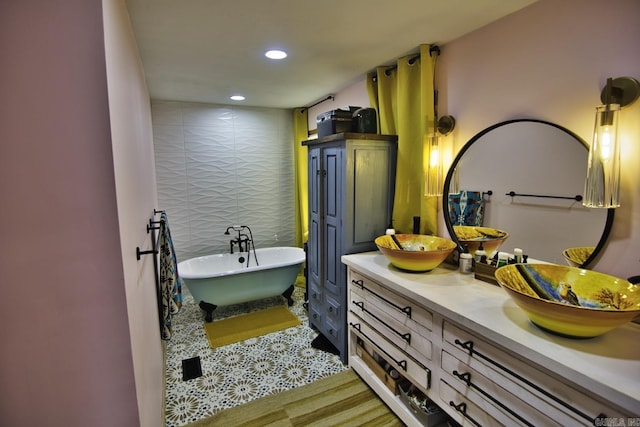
x,y
315,181
368,188
331,215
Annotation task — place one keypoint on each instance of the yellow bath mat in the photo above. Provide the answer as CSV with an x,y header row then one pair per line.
x,y
239,328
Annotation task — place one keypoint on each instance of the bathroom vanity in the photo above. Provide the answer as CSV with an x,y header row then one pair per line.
x,y
471,350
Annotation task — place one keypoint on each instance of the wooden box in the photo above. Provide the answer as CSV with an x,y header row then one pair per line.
x,y
377,369
486,273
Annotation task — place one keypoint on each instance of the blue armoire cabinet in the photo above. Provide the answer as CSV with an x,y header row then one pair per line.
x,y
351,189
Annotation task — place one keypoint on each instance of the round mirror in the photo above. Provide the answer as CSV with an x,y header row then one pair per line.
x,y
527,177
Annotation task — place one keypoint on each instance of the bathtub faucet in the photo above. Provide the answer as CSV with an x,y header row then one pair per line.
x,y
244,241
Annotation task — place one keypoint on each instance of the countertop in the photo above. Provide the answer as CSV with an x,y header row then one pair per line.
x,y
608,365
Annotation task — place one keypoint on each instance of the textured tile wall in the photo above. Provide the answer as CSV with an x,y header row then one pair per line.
x,y
220,165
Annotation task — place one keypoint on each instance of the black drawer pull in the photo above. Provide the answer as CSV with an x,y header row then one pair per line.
x,y
400,363
406,310
468,346
466,378
462,408
406,337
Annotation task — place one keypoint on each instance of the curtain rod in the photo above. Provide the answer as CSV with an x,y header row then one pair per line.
x,y
433,49
329,97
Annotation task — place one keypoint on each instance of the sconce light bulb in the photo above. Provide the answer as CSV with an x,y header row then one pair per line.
x,y
433,175
605,146
435,157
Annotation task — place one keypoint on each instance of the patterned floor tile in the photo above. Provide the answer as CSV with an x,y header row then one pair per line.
x,y
241,372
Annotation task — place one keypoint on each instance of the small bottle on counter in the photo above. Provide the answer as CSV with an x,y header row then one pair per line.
x,y
390,230
466,263
503,259
477,256
517,254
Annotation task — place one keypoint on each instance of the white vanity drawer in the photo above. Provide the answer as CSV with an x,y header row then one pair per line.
x,y
549,395
396,306
470,413
480,389
401,361
399,333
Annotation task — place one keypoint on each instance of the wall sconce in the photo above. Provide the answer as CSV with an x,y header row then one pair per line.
x,y
434,178
602,185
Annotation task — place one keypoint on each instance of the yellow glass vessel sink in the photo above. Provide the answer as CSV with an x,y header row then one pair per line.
x,y
415,252
570,301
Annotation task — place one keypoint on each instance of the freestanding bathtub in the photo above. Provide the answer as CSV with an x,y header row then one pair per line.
x,y
225,279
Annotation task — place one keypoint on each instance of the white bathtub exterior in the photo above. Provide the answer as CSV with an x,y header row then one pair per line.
x,y
221,279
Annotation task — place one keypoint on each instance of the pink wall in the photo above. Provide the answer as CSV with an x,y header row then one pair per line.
x,y
547,61
550,61
134,166
66,353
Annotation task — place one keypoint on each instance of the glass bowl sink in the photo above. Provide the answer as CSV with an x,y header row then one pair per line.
x,y
570,301
415,252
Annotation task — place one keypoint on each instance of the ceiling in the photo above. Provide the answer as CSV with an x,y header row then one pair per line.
x,y
208,50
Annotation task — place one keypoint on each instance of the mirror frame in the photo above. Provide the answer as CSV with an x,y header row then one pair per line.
x,y
447,184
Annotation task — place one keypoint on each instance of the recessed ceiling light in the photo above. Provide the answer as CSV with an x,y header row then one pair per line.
x,y
237,97
275,54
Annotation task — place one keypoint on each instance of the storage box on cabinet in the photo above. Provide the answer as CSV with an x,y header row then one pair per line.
x,y
527,390
335,121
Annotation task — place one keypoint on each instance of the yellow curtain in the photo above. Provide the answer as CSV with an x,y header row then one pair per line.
x,y
301,133
404,98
